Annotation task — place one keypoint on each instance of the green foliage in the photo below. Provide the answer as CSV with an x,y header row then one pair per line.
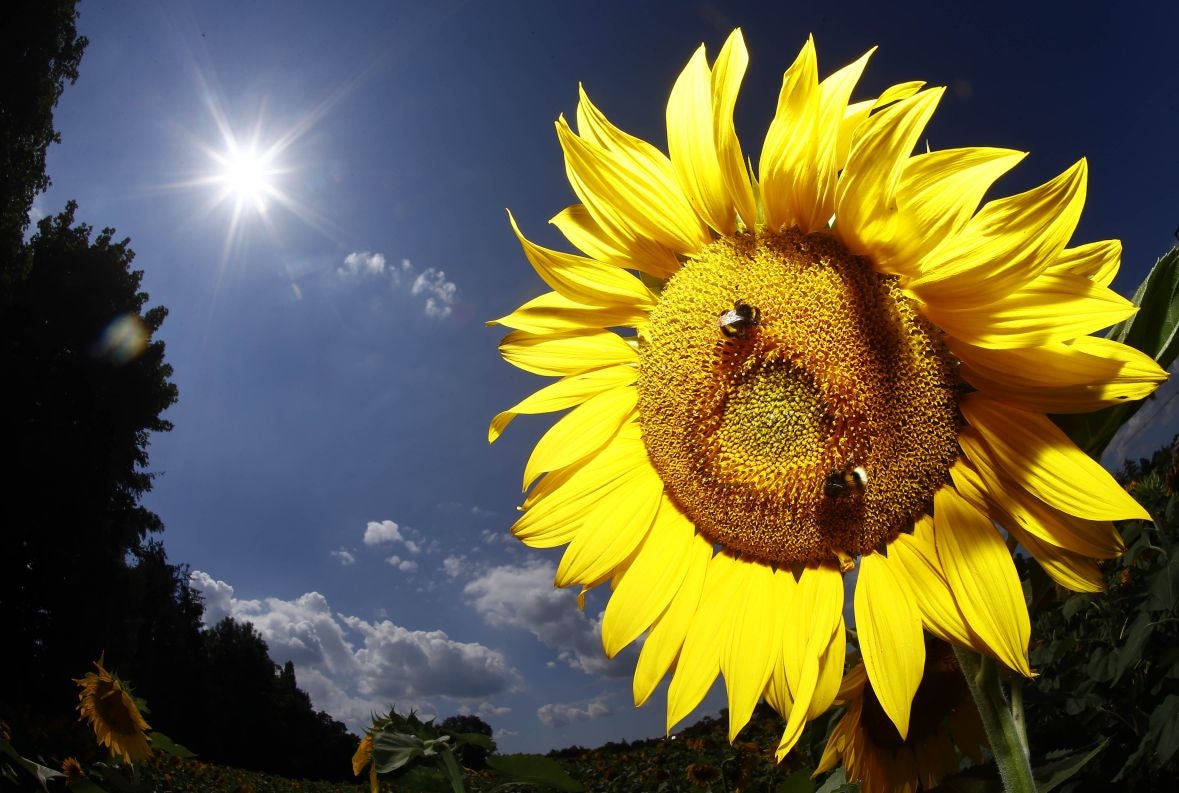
x,y
700,752
1109,663
1154,330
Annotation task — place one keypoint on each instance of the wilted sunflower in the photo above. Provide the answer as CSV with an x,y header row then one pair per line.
x,y
106,702
866,742
822,357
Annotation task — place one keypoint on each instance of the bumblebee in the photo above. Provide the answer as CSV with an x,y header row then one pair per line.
x,y
739,319
841,483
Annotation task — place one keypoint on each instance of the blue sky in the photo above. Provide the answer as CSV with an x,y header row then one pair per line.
x,y
329,477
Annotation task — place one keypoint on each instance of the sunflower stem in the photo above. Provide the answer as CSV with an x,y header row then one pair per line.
x,y
1003,725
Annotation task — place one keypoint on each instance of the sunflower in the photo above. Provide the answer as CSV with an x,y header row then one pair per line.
x,y
106,702
871,751
843,357
72,770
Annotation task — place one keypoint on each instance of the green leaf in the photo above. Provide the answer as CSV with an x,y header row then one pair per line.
x,y
1164,589
41,773
1164,725
1131,651
1059,769
1154,330
533,769
836,783
168,746
473,738
392,750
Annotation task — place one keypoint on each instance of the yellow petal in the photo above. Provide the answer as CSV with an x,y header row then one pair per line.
x,y
667,635
1006,245
982,577
1022,510
1036,454
699,661
891,640
630,190
648,256
555,516
834,92
808,679
726,82
1051,308
581,431
583,280
564,393
938,193
566,353
867,218
612,529
658,571
858,112
692,145
940,615
754,644
1076,376
1069,570
816,608
1097,261
830,672
552,314
786,168
777,691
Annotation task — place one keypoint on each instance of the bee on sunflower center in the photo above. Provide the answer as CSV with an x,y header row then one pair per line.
x,y
738,319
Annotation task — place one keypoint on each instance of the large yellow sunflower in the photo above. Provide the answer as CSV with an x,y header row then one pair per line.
x,y
106,702
842,357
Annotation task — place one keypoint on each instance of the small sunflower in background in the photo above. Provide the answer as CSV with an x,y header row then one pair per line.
x,y
107,703
866,743
839,361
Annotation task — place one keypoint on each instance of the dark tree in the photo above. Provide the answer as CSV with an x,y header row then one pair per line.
x,y
259,718
75,414
39,51
471,756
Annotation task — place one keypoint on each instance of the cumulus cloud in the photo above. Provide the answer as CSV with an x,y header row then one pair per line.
x,y
218,596
345,556
352,668
386,531
439,292
560,714
404,565
430,284
523,596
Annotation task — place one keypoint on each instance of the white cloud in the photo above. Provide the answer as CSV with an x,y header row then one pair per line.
x,y
386,531
559,714
430,283
345,556
523,596
404,565
217,595
439,291
453,566
352,668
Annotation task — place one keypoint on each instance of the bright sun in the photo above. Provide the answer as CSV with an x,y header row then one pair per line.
x,y
246,177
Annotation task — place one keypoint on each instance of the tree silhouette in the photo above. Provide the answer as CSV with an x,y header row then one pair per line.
x,y
75,414
39,50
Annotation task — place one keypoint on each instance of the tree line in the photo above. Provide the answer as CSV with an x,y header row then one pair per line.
x,y
83,385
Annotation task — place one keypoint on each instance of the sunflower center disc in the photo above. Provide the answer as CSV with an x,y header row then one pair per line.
x,y
793,400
